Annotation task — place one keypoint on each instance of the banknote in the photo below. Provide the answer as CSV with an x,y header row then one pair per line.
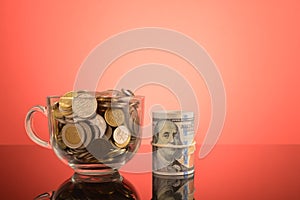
x,y
173,160
172,187
173,142
183,120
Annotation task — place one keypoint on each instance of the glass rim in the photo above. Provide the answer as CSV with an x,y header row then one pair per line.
x,y
139,97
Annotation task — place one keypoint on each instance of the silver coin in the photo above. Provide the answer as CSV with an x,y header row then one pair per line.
x,y
99,148
99,122
88,132
84,105
96,131
127,92
121,136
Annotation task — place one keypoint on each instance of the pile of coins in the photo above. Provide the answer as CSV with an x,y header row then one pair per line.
x,y
99,127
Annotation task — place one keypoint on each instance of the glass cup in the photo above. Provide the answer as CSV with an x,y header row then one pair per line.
x,y
94,133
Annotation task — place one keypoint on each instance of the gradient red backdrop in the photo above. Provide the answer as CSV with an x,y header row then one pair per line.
x,y
255,45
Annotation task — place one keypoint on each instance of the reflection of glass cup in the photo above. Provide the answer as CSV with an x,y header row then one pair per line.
x,y
172,187
91,143
112,186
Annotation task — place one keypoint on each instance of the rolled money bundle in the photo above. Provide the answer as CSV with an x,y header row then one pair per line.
x,y
172,187
173,142
101,127
183,120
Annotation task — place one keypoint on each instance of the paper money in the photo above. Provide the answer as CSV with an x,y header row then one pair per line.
x,y
184,121
172,187
173,142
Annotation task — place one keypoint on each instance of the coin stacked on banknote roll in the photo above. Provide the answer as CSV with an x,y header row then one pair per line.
x,y
173,142
97,127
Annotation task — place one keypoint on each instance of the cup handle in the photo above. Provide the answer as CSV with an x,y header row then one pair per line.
x,y
28,125
45,196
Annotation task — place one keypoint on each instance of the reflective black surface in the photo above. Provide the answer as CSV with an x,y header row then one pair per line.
x,y
111,186
229,172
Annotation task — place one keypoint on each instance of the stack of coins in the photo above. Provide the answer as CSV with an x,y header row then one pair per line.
x,y
173,142
173,187
101,127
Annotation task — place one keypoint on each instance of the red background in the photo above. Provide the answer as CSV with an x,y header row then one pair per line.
x,y
255,45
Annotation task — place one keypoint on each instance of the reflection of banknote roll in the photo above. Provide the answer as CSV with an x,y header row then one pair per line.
x,y
172,187
173,142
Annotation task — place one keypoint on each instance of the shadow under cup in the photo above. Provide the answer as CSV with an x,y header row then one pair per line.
x,y
91,134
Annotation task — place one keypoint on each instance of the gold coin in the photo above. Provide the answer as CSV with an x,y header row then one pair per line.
x,y
121,136
57,114
65,102
57,136
55,105
73,135
114,117
55,110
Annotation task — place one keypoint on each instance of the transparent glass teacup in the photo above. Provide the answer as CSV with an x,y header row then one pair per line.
x,y
94,133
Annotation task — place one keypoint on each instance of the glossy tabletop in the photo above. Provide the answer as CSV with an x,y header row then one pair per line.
x,y
228,172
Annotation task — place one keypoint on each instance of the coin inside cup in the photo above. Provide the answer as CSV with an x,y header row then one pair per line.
x,y
93,131
73,136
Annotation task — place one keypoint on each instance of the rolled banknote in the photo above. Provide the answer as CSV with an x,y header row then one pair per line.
x,y
172,187
183,120
173,142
